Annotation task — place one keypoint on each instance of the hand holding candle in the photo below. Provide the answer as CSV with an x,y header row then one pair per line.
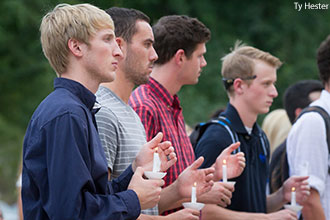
x,y
193,193
293,196
156,162
224,171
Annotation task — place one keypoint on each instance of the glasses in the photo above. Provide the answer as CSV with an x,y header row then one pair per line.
x,y
228,82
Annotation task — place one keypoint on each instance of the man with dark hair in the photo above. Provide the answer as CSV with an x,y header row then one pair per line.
x,y
180,45
307,143
300,95
121,131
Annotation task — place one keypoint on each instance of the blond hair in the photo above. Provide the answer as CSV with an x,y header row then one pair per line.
x,y
239,63
65,22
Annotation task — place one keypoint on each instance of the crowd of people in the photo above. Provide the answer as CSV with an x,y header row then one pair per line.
x,y
115,106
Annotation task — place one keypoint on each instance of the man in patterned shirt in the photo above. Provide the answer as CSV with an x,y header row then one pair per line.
x,y
180,44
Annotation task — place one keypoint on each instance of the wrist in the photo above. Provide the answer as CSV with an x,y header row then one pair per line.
x,y
134,166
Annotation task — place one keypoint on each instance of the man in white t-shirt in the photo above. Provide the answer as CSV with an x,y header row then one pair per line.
x,y
307,142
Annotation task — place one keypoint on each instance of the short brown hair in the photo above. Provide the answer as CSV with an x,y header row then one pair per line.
x,y
125,21
239,63
176,32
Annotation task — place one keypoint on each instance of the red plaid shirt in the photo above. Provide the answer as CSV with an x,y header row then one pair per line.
x,y
159,111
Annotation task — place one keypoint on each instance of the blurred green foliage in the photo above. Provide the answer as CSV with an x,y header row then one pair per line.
x,y
274,26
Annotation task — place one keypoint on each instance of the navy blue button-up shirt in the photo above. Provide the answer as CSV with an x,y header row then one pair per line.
x,y
65,172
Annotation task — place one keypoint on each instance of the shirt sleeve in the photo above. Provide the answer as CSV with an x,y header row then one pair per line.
x,y
73,178
307,143
214,140
107,124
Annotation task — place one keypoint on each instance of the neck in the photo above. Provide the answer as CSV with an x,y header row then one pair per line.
x,y
248,117
83,78
166,75
120,86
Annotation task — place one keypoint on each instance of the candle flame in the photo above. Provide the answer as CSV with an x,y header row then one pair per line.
x,y
293,189
156,149
195,184
224,162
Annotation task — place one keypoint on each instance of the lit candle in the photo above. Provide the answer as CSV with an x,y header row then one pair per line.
x,y
193,193
224,171
156,164
293,196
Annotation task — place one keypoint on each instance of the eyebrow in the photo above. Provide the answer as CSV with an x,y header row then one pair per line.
x,y
149,40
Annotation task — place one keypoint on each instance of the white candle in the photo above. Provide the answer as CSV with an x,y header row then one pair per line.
x,y
293,196
193,194
156,162
224,171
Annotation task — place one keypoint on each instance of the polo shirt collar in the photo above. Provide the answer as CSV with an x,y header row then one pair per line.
x,y
236,122
164,94
86,96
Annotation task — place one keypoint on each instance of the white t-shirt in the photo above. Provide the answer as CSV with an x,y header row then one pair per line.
x,y
307,142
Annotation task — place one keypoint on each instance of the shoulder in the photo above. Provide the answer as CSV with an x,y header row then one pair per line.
x,y
142,98
58,105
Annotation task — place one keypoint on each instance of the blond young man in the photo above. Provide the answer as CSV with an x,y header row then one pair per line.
x,y
65,174
249,76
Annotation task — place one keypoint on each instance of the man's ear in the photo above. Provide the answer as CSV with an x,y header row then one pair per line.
x,y
297,112
75,47
239,86
120,41
179,57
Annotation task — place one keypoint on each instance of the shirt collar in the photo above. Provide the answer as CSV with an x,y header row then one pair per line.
x,y
86,96
236,121
164,94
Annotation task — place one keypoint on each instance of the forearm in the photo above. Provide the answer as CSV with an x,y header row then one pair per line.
x,y
275,201
151,217
312,208
211,212
170,198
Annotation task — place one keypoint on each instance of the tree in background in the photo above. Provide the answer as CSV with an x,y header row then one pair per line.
x,y
274,26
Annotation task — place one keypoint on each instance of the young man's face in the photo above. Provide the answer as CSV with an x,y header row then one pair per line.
x,y
260,93
193,66
139,55
102,56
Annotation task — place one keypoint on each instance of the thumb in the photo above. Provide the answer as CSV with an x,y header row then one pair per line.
x,y
139,171
232,147
197,163
155,141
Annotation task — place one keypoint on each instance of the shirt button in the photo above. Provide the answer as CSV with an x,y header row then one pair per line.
x,y
247,137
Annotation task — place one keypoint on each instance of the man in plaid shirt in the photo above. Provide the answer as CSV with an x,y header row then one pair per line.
x,y
180,45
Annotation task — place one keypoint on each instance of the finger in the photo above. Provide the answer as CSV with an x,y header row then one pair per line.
x,y
232,147
226,199
208,176
227,193
197,163
139,172
242,164
155,141
157,182
168,150
228,186
164,146
171,162
300,178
